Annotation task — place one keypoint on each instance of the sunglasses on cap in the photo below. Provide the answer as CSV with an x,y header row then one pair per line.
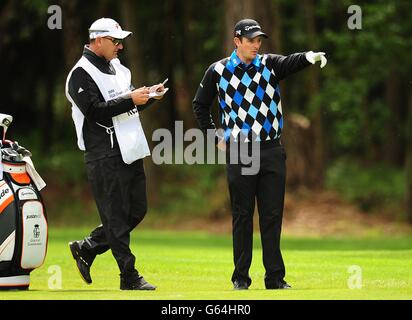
x,y
115,41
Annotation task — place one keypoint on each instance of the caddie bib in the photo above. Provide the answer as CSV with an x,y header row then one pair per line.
x,y
127,126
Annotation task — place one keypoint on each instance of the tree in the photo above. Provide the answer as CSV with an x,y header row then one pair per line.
x,y
149,119
408,159
313,85
236,10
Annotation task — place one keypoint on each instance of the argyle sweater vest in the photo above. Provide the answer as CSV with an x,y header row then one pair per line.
x,y
249,100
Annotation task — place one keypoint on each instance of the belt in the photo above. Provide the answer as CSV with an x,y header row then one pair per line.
x,y
270,143
262,144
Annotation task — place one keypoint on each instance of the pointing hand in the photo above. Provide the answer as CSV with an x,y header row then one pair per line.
x,y
312,57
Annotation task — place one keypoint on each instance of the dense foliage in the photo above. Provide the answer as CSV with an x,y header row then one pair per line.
x,y
361,101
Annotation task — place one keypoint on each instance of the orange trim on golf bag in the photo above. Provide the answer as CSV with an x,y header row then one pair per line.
x,y
6,196
15,284
22,178
17,172
6,203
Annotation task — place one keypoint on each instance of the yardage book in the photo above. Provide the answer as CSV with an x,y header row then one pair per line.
x,y
158,94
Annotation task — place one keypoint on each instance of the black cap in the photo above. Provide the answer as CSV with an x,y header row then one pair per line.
x,y
248,28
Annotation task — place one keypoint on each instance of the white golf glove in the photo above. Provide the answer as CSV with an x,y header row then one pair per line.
x,y
312,57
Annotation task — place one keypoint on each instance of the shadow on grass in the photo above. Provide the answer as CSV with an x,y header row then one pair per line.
x,y
170,239
74,290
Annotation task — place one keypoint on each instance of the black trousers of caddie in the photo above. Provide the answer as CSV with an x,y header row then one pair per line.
x,y
267,188
119,190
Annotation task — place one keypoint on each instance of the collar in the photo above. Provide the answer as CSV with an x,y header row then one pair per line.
x,y
99,62
235,60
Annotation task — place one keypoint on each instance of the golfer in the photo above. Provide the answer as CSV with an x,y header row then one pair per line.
x,y
105,111
247,86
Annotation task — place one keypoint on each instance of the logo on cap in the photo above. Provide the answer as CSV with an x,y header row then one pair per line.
x,y
247,28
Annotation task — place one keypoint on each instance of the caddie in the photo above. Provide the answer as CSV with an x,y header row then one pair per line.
x,y
105,111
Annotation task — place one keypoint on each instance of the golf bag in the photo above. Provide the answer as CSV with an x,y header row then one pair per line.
x,y
23,222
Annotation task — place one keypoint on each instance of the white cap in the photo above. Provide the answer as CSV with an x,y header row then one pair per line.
x,y
104,27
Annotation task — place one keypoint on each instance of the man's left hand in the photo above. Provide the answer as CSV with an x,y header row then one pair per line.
x,y
312,57
157,88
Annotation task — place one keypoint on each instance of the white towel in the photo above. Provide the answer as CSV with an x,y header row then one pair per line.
x,y
38,181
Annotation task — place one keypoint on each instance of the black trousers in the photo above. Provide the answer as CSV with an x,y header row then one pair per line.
x,y
267,188
119,190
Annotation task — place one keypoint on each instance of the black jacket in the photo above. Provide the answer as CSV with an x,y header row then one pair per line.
x,y
95,109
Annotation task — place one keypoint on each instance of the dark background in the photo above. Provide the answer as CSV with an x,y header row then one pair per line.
x,y
348,127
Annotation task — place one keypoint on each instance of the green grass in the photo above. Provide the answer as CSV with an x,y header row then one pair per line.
x,y
199,265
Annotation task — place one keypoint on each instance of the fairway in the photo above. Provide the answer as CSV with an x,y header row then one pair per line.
x,y
197,265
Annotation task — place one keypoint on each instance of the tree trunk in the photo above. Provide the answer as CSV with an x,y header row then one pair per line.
x,y
269,16
371,149
297,139
276,27
318,167
132,49
148,117
408,161
72,42
169,62
392,152
186,86
47,119
236,10
5,14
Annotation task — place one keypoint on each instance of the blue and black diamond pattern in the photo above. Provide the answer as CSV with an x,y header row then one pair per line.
x,y
249,99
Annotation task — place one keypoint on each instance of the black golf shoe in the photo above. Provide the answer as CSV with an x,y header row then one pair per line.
x,y
277,284
135,282
240,285
81,261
